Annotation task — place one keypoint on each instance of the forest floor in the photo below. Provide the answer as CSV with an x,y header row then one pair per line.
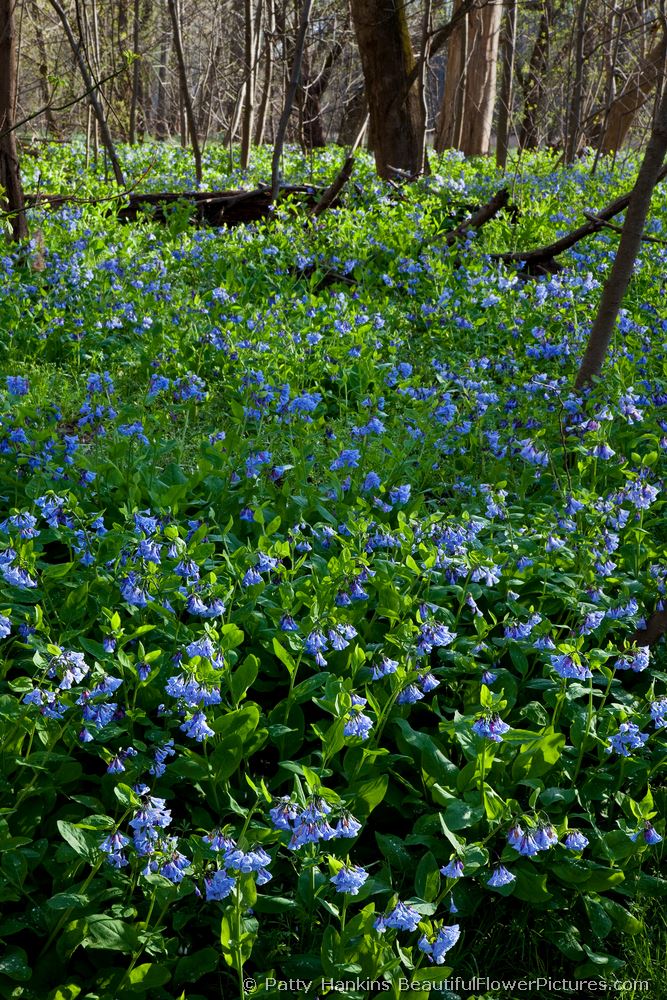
x,y
324,595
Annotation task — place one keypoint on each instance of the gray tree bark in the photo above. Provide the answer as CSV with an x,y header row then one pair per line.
x,y
185,89
466,113
628,248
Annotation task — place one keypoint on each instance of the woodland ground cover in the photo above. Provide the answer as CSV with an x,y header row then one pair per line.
x,y
318,602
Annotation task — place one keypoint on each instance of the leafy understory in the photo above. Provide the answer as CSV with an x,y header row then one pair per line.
x,y
321,605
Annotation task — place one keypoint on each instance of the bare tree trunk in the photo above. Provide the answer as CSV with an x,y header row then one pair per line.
x,y
43,69
422,78
533,82
76,48
208,89
508,49
574,119
354,115
633,96
611,58
470,84
185,90
313,92
251,31
396,124
448,129
265,100
136,71
484,35
11,196
628,248
161,128
289,97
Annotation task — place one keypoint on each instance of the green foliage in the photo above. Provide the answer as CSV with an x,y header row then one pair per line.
x,y
301,581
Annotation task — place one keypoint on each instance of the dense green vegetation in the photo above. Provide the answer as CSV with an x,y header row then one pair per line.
x,y
313,589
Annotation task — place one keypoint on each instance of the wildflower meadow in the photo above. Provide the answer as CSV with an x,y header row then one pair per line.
x,y
325,600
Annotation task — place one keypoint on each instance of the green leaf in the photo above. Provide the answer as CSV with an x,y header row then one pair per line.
x,y
285,658
110,934
329,951
126,796
148,976
192,967
459,815
67,901
231,636
76,839
369,794
68,992
433,975
538,757
394,850
600,922
244,677
14,965
621,918
427,878
530,886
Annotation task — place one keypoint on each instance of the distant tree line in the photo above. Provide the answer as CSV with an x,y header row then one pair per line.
x,y
480,76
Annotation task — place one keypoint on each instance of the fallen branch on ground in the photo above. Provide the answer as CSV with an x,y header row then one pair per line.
x,y
619,229
479,217
542,260
215,208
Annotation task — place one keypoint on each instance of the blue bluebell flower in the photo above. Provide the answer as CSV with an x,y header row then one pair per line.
x,y
437,948
402,918
357,723
491,727
349,879
17,385
453,869
197,727
565,666
634,659
648,833
575,841
658,711
627,739
219,886
501,876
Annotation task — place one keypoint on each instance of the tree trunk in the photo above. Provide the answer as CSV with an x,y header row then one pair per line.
x,y
354,115
185,90
312,94
252,29
265,101
574,120
635,94
136,97
466,114
533,82
11,196
161,126
505,106
387,60
628,248
290,96
43,70
76,48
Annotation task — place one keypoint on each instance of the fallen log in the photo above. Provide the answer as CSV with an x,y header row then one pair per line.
x,y
483,214
213,208
542,260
